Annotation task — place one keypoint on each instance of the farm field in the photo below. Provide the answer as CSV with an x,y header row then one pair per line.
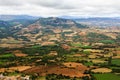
x,y
44,70
107,76
6,55
116,62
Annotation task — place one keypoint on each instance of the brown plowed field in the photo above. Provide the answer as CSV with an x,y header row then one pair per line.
x,y
43,70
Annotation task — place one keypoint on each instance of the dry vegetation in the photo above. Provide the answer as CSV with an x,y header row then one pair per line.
x,y
101,70
12,69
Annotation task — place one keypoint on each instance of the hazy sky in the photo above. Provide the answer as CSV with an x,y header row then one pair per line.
x,y
61,7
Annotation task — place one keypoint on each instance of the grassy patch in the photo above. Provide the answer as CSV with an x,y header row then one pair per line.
x,y
116,62
36,46
107,41
88,63
1,62
13,74
76,44
86,47
73,59
6,55
80,45
115,67
41,78
107,76
86,52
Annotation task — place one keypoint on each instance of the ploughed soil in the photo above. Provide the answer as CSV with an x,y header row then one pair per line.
x,y
58,69
19,53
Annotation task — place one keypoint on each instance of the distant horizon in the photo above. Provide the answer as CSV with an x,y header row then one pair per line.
x,y
62,16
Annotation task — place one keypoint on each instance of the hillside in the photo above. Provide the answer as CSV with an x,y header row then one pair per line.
x,y
12,28
24,22
4,24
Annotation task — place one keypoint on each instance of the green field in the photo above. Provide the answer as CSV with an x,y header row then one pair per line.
x,y
36,46
73,59
4,58
107,41
88,63
106,76
112,67
80,45
6,55
116,62
1,63
41,78
76,44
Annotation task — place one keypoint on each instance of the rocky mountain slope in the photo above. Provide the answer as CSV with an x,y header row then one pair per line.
x,y
13,27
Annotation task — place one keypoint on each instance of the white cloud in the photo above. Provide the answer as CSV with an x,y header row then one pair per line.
x,y
61,7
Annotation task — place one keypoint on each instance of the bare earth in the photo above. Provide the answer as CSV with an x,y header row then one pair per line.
x,y
44,70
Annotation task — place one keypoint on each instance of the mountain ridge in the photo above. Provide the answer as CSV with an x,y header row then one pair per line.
x,y
14,17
